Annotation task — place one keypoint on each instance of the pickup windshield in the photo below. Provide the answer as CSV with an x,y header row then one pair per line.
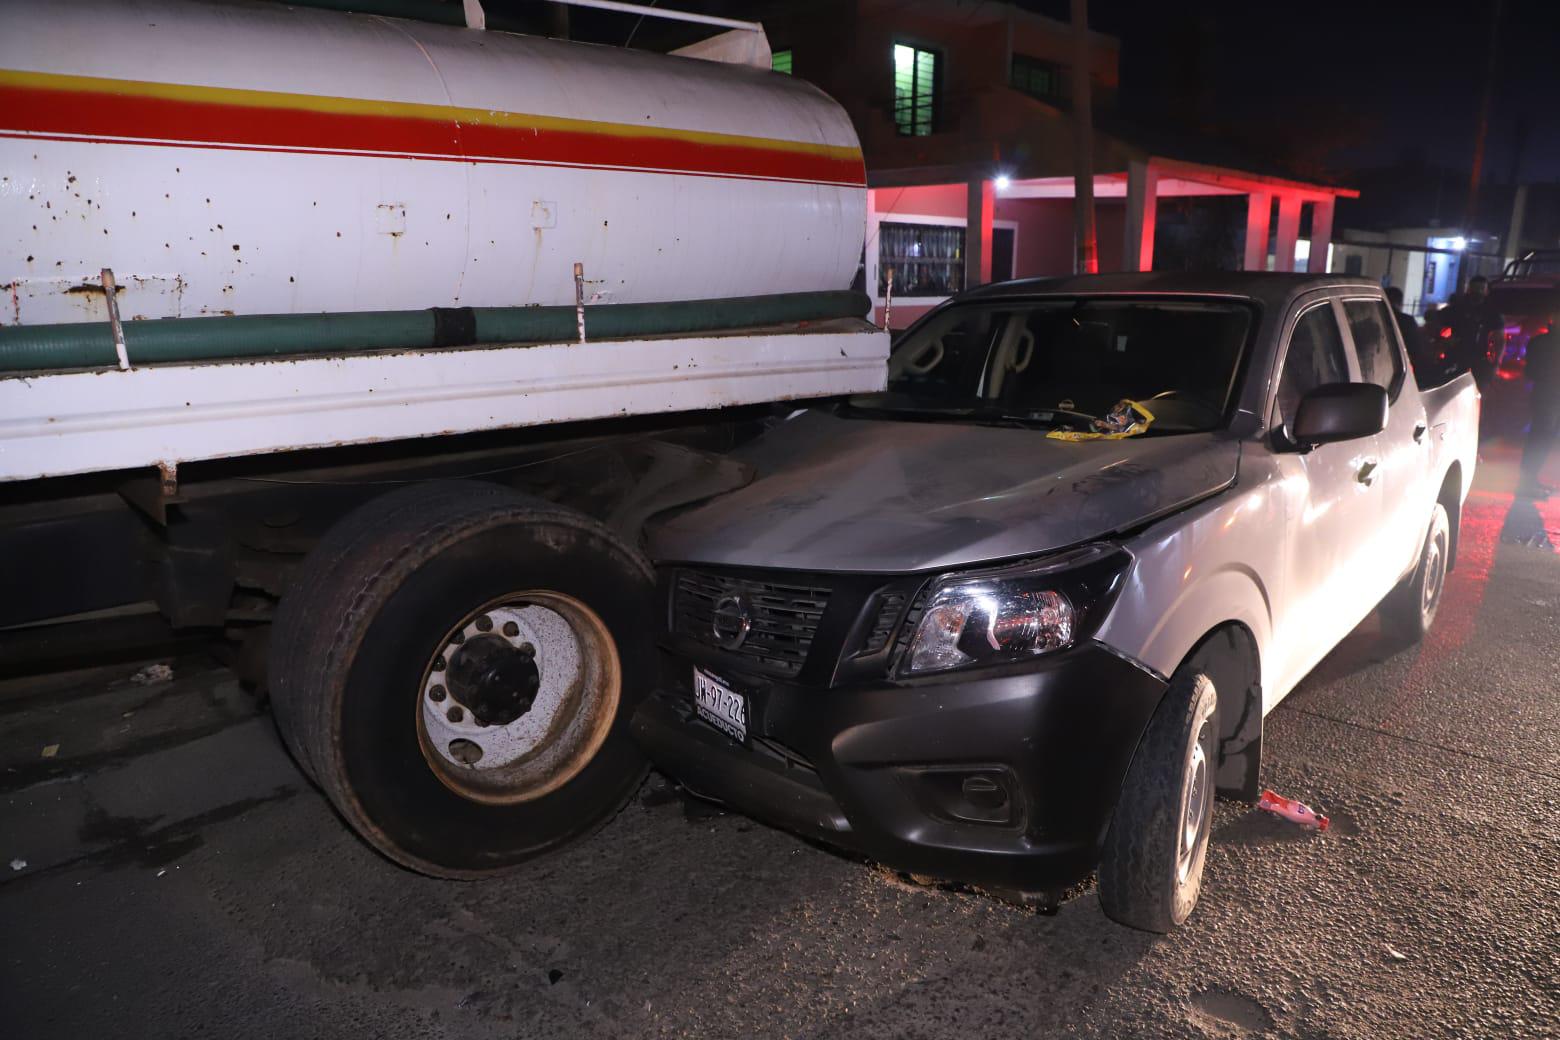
x,y
1067,361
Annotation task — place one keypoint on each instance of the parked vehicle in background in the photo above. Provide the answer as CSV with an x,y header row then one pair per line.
x,y
1536,263
1529,301
1019,616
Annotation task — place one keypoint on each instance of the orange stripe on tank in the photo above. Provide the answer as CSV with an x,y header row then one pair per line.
x,y
127,111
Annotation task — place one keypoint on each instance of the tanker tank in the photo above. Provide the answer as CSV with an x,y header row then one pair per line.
x,y
247,158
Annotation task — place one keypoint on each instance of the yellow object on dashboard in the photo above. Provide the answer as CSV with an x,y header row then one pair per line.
x,y
1127,419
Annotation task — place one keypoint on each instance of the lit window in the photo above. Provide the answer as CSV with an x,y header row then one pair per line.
x,y
926,259
915,89
780,61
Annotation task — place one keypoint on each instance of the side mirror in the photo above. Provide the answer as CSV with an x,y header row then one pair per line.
x,y
1340,412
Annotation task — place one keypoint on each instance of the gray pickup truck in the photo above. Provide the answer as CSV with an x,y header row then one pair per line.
x,y
1020,616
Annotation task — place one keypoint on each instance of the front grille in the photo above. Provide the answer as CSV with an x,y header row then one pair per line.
x,y
912,622
889,606
784,616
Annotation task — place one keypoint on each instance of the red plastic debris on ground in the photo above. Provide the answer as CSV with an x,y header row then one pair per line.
x,y
1289,809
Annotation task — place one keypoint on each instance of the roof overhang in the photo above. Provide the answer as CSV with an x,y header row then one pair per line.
x,y
1176,178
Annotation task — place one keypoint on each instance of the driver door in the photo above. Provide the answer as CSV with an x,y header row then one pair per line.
x,y
1332,503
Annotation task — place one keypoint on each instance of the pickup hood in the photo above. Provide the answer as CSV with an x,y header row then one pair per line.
x,y
835,494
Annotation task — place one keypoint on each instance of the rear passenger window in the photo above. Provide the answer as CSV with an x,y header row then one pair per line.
x,y
1371,323
1315,356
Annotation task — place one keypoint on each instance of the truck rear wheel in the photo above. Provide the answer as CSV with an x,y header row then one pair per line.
x,y
1409,610
1152,864
456,667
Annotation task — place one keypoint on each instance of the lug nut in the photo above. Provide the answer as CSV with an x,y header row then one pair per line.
x,y
455,714
511,629
484,624
436,693
527,650
439,663
458,638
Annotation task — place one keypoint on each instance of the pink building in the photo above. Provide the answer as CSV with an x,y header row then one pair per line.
x,y
963,112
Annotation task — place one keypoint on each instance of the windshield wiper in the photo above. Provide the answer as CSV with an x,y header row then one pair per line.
x,y
986,415
1044,414
914,410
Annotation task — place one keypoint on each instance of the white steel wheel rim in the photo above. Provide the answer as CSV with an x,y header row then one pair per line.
x,y
579,685
1196,805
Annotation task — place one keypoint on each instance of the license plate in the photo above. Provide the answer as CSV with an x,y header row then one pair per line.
x,y
720,705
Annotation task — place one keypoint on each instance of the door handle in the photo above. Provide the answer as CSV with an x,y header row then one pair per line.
x,y
1366,474
1420,429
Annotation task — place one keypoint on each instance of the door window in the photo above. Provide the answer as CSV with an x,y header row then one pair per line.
x,y
1370,323
1315,357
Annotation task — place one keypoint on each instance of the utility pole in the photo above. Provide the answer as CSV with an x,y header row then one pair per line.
x,y
1513,243
1471,214
1088,259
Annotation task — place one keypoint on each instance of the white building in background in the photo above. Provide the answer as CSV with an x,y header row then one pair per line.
x,y
1429,264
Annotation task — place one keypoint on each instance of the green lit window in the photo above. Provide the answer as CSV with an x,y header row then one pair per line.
x,y
916,72
1039,79
780,61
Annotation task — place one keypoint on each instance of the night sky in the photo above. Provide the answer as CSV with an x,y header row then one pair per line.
x,y
1344,86
1380,95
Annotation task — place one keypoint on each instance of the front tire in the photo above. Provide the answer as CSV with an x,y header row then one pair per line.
x,y
1409,610
1152,864
456,668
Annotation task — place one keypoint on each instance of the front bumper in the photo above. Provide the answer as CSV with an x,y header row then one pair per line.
x,y
1003,778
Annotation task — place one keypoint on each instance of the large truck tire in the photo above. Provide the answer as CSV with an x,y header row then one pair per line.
x,y
1152,864
455,666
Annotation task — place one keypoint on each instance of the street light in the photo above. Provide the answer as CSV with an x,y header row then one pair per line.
x,y
1459,243
1002,182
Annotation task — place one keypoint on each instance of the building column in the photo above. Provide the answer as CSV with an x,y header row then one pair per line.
x,y
1259,216
1321,234
977,233
1137,246
1288,232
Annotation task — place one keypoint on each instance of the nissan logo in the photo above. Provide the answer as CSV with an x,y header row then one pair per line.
x,y
733,620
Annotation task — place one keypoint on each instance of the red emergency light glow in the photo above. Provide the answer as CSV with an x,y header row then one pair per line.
x,y
1445,333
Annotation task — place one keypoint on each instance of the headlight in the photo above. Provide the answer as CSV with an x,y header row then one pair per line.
x,y
1012,613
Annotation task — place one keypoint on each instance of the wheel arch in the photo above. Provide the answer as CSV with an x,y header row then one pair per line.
x,y
1229,655
1222,622
1451,496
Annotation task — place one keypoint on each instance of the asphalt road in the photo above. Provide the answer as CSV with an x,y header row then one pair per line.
x,y
171,874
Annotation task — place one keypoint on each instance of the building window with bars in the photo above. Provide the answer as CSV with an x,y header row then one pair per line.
x,y
780,61
1045,80
926,259
916,75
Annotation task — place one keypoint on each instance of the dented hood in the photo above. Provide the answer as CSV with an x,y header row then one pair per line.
x,y
848,494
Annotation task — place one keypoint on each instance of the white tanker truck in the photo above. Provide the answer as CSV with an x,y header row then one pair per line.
x,y
383,338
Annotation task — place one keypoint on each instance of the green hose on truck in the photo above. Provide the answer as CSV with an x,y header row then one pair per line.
x,y
89,345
